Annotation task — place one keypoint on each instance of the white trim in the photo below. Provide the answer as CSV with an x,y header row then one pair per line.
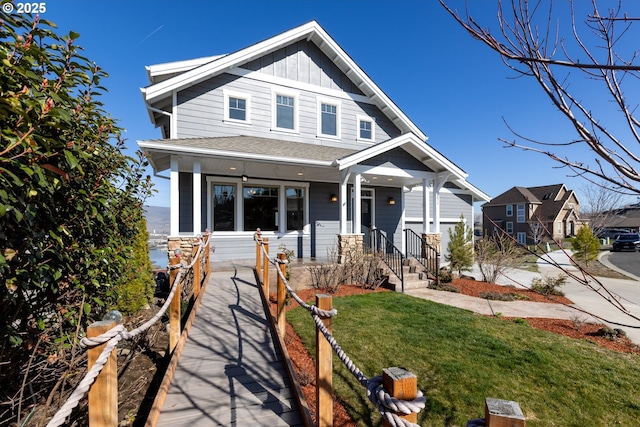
x,y
239,95
372,120
174,191
335,103
274,112
300,86
173,131
197,197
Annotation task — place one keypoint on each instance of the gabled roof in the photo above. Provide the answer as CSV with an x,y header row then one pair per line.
x,y
311,31
551,198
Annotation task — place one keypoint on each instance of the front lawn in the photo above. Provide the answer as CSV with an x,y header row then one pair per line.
x,y
461,358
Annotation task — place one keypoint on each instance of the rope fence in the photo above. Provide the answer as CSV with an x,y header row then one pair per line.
x,y
396,411
101,347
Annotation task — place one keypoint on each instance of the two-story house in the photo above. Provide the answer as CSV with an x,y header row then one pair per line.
x,y
290,136
533,214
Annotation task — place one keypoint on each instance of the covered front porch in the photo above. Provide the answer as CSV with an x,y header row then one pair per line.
x,y
303,196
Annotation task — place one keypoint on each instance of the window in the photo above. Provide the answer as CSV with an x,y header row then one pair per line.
x,y
224,207
295,208
328,118
522,238
236,107
510,227
520,213
285,112
366,128
509,210
260,208
559,227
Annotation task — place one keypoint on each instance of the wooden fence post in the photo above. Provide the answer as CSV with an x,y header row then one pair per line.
x,y
401,384
207,265
174,307
103,394
265,274
324,368
258,252
197,268
282,294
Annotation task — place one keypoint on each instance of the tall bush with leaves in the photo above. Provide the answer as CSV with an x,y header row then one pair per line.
x,y
70,199
585,245
460,247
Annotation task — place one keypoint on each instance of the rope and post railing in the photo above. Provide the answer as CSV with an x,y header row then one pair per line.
x,y
100,382
394,393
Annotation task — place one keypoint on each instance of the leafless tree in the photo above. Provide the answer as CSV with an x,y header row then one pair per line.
x,y
599,204
530,42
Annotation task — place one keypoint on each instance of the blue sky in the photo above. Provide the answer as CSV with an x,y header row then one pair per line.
x,y
453,87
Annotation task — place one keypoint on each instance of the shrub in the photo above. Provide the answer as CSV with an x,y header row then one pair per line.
x,y
445,275
549,285
460,247
585,245
494,255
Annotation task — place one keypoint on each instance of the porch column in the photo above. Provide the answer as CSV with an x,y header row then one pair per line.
x,y
437,185
175,197
344,179
197,198
357,205
425,207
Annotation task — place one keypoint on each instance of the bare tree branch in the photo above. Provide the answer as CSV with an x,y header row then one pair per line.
x,y
530,42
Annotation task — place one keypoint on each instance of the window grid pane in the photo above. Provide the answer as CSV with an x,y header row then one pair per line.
x,y
329,119
365,129
284,112
237,109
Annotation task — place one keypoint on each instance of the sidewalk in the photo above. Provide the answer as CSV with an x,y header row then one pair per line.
x,y
625,291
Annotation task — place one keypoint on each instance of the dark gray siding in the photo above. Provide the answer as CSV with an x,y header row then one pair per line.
x,y
186,202
388,217
397,157
324,218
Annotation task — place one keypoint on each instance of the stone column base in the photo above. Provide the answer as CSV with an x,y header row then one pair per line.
x,y
434,240
348,244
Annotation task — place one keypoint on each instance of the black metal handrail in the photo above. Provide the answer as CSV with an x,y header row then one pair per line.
x,y
391,255
424,253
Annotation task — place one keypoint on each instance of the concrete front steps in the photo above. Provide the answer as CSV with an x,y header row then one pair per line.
x,y
415,276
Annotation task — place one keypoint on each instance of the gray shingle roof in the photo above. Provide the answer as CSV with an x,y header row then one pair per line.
x,y
260,146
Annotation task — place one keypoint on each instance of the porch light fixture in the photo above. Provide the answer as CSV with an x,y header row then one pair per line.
x,y
391,201
245,178
334,198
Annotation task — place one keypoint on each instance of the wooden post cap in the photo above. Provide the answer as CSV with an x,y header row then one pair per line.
x,y
503,413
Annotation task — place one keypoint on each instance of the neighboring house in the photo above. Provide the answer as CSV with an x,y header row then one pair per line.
x,y
534,213
622,219
289,135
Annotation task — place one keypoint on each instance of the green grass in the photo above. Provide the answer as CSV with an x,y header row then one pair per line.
x,y
461,358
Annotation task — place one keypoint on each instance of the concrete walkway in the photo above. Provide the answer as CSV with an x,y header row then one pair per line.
x,y
627,292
